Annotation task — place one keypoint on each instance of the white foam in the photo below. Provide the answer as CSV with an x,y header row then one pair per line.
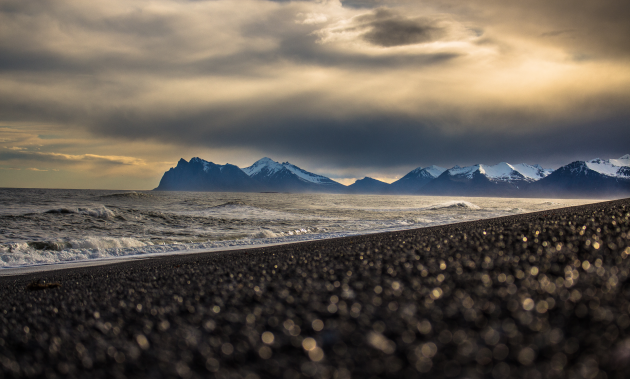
x,y
241,211
265,234
102,243
20,254
183,223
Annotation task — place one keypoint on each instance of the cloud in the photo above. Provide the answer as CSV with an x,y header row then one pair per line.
x,y
365,85
369,32
93,157
48,157
595,28
386,28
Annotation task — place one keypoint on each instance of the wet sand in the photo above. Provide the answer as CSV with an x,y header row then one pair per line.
x,y
540,295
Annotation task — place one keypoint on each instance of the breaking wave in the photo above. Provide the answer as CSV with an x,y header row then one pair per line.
x,y
53,226
457,204
101,212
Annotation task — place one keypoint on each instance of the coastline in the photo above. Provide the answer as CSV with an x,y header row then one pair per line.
x,y
513,304
91,245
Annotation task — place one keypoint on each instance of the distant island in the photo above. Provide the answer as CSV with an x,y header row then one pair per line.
x,y
597,178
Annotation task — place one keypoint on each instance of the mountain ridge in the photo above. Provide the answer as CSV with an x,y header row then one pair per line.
x,y
594,178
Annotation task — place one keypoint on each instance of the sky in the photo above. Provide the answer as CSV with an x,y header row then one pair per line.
x,y
110,94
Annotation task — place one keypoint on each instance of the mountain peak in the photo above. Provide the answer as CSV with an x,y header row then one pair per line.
x,y
434,170
610,167
622,161
262,164
294,178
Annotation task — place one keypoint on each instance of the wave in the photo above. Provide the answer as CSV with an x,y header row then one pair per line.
x,y
265,234
46,252
456,204
128,195
238,210
231,204
101,212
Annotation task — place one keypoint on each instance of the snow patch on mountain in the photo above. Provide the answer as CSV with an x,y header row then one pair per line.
x,y
467,171
271,167
205,164
534,172
503,172
623,161
610,167
434,170
305,175
427,172
261,164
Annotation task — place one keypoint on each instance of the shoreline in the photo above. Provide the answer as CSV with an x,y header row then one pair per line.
x,y
235,246
482,299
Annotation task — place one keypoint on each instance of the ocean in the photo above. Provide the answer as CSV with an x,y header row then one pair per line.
x,y
51,226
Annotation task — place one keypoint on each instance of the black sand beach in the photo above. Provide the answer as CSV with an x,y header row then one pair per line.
x,y
542,295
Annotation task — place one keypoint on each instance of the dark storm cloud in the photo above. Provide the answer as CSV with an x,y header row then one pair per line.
x,y
386,141
387,29
358,85
364,3
153,45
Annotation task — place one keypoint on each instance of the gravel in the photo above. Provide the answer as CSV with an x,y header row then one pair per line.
x,y
540,295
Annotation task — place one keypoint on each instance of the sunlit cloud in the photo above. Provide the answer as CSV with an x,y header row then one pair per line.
x,y
45,156
93,157
350,88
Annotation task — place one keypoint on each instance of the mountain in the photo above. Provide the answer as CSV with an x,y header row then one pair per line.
x,y
286,177
531,173
502,179
415,179
201,175
368,185
594,178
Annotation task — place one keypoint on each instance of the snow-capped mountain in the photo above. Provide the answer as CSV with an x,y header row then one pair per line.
x,y
532,172
201,175
615,168
416,179
503,172
287,177
502,179
594,178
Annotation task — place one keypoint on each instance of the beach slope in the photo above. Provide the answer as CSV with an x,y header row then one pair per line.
x,y
541,295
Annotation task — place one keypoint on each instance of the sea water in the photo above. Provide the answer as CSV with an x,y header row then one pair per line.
x,y
49,226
